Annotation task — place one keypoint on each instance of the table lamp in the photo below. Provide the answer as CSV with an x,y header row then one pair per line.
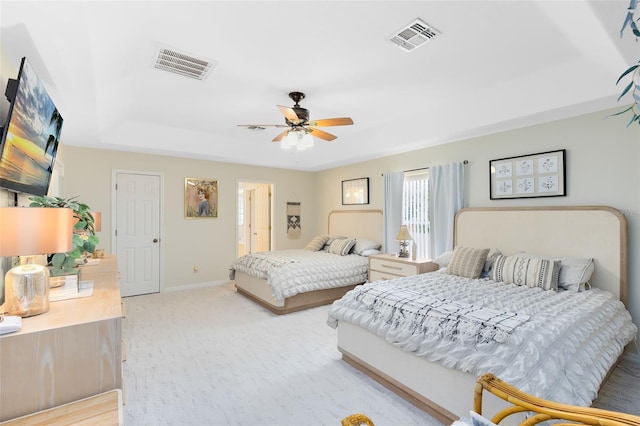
x,y
29,231
403,237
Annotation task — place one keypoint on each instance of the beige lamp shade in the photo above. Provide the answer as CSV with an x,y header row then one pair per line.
x,y
404,234
35,230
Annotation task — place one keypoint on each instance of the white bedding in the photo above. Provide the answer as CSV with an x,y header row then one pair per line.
x,y
290,272
561,352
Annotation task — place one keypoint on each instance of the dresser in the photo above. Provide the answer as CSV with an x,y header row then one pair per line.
x,y
71,352
388,266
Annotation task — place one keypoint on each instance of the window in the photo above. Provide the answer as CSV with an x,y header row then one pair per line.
x,y
415,209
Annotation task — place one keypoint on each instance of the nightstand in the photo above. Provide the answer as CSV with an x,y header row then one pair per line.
x,y
388,266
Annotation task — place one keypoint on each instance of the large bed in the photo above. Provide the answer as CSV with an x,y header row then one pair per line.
x,y
539,362
303,279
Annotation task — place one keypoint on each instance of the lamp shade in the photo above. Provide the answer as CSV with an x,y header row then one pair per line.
x,y
97,221
35,230
404,234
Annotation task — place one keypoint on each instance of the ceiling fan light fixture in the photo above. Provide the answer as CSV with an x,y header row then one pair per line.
x,y
298,139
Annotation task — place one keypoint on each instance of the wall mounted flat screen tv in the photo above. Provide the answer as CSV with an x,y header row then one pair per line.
x,y
30,137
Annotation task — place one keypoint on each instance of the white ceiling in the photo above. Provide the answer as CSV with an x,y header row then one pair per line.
x,y
496,65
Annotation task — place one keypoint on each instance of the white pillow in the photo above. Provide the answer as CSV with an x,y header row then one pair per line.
x,y
363,244
369,252
574,271
444,259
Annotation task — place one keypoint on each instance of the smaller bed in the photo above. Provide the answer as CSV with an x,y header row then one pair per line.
x,y
285,281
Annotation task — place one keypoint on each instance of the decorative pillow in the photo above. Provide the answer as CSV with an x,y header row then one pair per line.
x,y
528,271
467,262
317,243
341,246
331,239
369,252
574,271
362,245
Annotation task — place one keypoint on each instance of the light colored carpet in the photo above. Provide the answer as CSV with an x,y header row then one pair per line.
x,y
209,356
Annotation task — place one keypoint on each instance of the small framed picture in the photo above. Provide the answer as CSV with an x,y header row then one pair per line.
x,y
528,176
355,191
200,198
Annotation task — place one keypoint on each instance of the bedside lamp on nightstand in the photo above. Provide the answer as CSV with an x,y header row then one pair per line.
x,y
28,231
403,236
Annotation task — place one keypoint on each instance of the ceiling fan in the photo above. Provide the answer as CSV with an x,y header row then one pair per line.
x,y
300,128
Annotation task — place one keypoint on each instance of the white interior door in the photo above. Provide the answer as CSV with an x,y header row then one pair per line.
x,y
137,232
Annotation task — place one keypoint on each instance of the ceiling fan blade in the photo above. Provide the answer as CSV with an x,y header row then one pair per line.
x,y
321,134
280,136
289,113
262,125
342,121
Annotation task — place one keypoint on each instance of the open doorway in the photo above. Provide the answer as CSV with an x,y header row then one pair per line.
x,y
255,216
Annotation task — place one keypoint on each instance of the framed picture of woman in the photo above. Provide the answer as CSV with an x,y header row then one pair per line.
x,y
200,198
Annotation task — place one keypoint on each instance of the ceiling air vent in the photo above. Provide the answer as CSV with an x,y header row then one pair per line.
x,y
413,35
180,63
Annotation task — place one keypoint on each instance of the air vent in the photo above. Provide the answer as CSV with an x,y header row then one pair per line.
x,y
414,35
184,64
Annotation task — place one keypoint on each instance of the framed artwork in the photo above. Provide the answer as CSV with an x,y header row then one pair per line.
x,y
200,198
528,176
355,191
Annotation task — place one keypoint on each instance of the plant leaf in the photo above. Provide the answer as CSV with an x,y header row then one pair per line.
x,y
629,70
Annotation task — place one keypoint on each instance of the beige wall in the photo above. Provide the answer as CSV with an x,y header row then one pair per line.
x,y
206,243
602,166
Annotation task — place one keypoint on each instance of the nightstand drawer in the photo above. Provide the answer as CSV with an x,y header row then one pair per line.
x,y
390,267
381,276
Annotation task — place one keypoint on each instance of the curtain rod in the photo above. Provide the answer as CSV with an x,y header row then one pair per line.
x,y
426,168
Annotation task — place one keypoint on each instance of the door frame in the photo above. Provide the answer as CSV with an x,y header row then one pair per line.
x,y
114,245
272,241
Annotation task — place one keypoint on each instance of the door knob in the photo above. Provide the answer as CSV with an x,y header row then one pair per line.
x,y
155,240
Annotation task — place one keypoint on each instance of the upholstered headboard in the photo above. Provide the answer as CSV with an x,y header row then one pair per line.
x,y
357,223
584,231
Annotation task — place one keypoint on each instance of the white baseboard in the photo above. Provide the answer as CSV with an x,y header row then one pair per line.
x,y
194,286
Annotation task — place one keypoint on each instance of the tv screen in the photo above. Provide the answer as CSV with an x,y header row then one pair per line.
x,y
30,137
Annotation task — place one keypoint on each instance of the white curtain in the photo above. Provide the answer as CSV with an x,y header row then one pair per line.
x,y
393,183
446,197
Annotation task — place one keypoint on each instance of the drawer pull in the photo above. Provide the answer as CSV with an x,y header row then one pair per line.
x,y
391,267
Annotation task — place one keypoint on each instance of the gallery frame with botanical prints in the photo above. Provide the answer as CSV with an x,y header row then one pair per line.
x,y
355,191
528,176
200,198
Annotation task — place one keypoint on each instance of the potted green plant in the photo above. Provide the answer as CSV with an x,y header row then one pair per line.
x,y
634,86
84,235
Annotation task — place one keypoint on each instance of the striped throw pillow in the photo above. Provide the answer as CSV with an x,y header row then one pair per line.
x,y
467,262
317,243
531,272
342,247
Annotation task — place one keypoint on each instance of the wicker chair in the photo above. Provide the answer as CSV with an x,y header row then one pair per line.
x,y
544,410
357,420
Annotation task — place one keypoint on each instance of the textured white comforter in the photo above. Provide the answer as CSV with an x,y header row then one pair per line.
x,y
562,352
290,272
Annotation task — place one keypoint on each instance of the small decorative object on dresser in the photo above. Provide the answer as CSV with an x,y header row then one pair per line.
x,y
388,266
404,237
